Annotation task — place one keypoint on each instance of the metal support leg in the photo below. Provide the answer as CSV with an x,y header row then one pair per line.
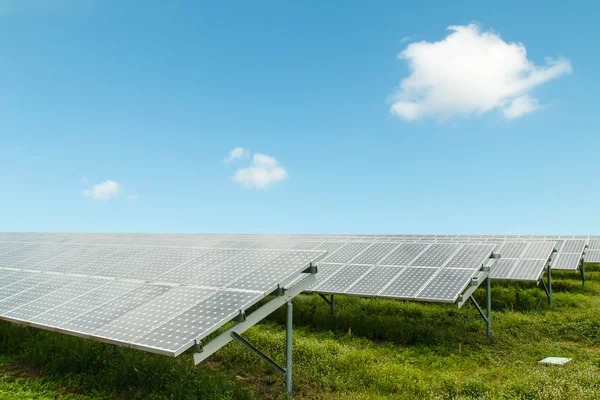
x,y
330,301
488,303
288,351
332,304
582,270
485,317
550,286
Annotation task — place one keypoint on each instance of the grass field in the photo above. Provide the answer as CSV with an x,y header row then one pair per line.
x,y
371,349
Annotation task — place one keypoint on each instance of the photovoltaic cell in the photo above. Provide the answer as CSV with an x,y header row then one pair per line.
x,y
152,314
405,254
100,316
275,271
446,285
436,255
512,249
325,272
229,270
471,256
184,273
375,253
347,253
409,283
63,314
41,304
502,268
374,281
341,280
573,246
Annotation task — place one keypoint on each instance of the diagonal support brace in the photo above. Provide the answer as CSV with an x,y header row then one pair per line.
x,y
548,286
330,302
259,353
252,319
487,317
475,282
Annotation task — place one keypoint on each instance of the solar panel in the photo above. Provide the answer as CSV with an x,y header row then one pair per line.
x,y
156,293
592,256
522,260
569,255
408,271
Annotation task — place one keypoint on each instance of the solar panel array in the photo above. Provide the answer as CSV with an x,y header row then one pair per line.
x,y
414,267
156,295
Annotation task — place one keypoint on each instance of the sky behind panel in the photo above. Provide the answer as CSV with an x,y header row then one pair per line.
x,y
124,116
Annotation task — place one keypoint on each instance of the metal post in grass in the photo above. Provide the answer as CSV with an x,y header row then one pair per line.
x,y
288,351
549,285
583,269
332,305
488,303
330,302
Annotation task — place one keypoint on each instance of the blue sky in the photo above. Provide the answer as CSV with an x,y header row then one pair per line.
x,y
152,97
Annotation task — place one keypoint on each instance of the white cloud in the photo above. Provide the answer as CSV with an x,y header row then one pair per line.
x,y
132,196
237,153
520,106
470,72
262,173
103,191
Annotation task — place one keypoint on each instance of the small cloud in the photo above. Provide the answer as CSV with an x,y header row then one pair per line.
x,y
84,179
103,191
264,172
132,196
236,154
470,72
405,39
520,106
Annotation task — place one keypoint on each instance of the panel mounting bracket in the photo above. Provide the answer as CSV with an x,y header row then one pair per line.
x,y
582,266
468,294
234,333
548,286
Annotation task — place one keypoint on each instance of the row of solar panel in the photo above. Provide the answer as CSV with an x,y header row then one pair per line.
x,y
163,236
258,270
566,246
243,241
103,291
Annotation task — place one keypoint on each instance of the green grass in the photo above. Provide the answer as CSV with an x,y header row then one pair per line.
x,y
371,349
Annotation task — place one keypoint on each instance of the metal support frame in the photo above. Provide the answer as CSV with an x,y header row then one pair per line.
x,y
330,301
468,295
284,296
548,286
582,269
487,316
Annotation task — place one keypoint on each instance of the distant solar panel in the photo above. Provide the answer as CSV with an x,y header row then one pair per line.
x,y
523,261
592,253
409,271
569,255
